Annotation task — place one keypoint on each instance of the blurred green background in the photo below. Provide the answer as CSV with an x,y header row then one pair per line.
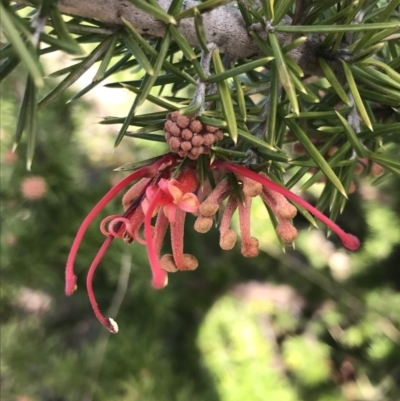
x,y
315,323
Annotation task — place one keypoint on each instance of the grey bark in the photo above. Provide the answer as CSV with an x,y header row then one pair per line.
x,y
224,26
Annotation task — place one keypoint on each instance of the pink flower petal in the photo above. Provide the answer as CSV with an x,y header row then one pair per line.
x,y
189,203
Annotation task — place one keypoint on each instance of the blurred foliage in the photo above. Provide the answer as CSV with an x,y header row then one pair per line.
x,y
313,324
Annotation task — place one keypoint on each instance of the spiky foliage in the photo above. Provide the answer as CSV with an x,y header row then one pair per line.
x,y
297,87
322,75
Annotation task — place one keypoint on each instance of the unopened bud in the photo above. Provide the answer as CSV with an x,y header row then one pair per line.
x,y
219,135
175,130
174,143
210,128
197,140
196,126
186,146
183,121
187,134
194,153
209,139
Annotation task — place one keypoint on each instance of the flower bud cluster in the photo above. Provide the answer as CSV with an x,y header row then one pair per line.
x,y
188,136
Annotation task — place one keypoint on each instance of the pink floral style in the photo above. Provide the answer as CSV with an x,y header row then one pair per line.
x,y
165,193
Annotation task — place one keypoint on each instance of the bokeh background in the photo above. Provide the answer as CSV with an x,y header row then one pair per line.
x,y
313,323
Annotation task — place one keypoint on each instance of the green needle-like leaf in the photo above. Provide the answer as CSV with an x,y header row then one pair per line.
x,y
201,7
368,52
240,98
262,147
273,105
331,77
119,64
159,101
78,70
281,8
263,45
293,45
385,79
26,52
63,34
293,66
352,137
297,83
157,67
146,137
7,66
374,83
107,58
138,53
175,6
200,31
251,65
229,152
319,114
384,160
245,13
147,84
152,52
283,72
356,95
23,114
137,165
131,113
388,70
215,122
155,11
225,97
316,155
187,51
386,13
336,28
268,8
31,123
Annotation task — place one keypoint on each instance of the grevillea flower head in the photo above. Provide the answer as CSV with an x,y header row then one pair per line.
x,y
165,193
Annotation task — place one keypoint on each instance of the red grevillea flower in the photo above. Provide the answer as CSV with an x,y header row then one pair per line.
x,y
157,194
154,194
349,241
